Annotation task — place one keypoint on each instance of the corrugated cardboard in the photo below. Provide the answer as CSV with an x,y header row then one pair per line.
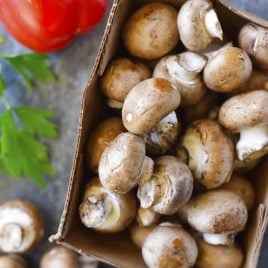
x,y
117,249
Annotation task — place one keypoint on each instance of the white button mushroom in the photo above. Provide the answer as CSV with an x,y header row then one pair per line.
x,y
218,214
218,256
198,24
59,257
121,76
102,135
151,31
243,188
21,226
12,261
169,245
163,136
183,71
210,153
169,188
104,210
148,103
123,163
254,40
227,70
247,114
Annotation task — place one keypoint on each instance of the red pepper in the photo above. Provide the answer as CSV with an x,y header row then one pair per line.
x,y
47,25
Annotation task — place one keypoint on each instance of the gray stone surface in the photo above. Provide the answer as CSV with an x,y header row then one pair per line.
x,y
72,67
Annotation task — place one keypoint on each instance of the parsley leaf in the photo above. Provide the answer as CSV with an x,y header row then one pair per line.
x,y
31,66
21,153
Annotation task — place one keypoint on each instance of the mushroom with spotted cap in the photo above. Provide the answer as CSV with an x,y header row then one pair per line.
x,y
169,245
148,103
218,214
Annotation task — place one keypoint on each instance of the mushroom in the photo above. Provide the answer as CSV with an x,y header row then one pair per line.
x,y
139,233
163,136
60,257
121,76
102,135
104,210
218,214
243,188
227,70
151,31
169,245
218,256
21,226
146,217
210,153
198,24
12,261
148,103
254,40
182,213
247,114
183,71
169,188
123,163
87,262
201,109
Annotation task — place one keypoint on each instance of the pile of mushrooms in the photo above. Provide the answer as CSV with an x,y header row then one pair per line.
x,y
194,120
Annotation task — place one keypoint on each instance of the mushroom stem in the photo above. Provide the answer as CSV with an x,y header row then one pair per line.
x,y
252,142
219,239
148,193
213,25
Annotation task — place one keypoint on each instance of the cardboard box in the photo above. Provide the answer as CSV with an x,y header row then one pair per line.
x,y
117,249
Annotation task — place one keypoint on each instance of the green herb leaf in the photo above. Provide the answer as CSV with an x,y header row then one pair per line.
x,y
2,85
31,66
21,154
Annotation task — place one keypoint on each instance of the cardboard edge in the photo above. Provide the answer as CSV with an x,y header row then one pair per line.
x,y
75,163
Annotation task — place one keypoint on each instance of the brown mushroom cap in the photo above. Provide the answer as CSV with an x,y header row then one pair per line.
x,y
228,70
198,24
183,71
21,226
163,136
254,40
169,245
148,103
245,111
151,31
104,210
210,153
139,233
60,257
217,212
123,163
105,132
170,187
218,256
12,261
121,76
243,188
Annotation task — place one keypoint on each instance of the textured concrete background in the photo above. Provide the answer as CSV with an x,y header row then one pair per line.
x,y
72,67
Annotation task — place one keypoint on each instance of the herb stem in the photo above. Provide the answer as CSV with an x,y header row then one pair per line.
x,y
6,102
